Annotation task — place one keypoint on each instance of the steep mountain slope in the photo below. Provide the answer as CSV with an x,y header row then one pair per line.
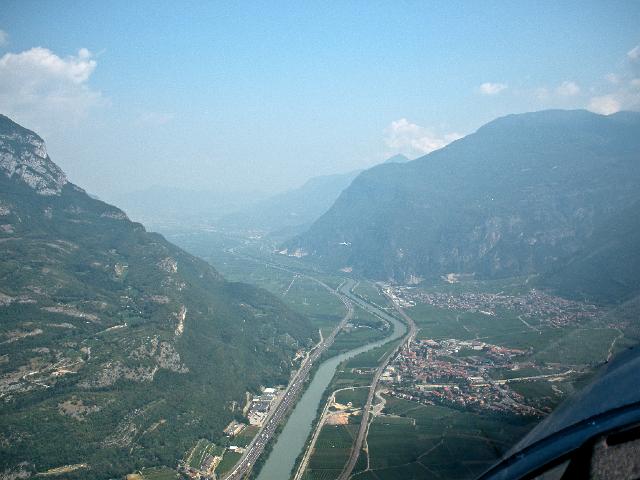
x,y
297,209
117,349
513,198
606,268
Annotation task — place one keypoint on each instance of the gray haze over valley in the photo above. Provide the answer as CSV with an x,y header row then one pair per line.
x,y
319,241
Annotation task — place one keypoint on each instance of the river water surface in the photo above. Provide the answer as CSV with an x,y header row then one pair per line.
x,y
291,441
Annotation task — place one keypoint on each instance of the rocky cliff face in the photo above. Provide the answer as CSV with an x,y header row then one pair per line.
x,y
23,156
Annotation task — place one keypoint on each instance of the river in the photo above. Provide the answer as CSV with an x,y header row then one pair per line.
x,y
291,441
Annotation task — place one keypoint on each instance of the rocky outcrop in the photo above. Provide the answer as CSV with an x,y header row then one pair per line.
x,y
23,155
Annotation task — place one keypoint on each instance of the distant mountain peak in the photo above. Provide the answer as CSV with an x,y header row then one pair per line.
x,y
23,155
399,158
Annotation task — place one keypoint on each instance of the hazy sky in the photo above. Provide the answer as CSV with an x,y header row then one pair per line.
x,y
263,95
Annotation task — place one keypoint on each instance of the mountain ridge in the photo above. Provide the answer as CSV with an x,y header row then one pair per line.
x,y
510,199
294,210
113,337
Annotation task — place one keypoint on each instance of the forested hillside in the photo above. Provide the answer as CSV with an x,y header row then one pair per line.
x,y
112,338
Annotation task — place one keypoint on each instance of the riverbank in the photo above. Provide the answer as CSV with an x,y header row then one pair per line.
x,y
291,442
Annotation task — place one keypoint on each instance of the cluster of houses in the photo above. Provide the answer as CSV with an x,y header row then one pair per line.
x,y
261,404
201,461
533,305
455,373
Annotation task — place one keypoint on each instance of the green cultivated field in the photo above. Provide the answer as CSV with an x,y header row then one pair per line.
x,y
357,397
370,328
437,323
363,317
228,462
370,292
200,451
159,474
373,357
428,441
332,452
579,346
253,265
243,439
310,298
423,442
344,377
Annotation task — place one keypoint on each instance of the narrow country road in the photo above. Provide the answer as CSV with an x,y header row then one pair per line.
x,y
287,402
366,411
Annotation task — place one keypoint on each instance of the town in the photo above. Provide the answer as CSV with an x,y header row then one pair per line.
x,y
535,305
432,372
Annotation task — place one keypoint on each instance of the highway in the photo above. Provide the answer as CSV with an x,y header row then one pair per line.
x,y
287,401
347,290
316,433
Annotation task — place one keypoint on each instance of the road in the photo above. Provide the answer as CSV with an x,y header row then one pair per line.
x,y
287,401
258,444
321,421
366,411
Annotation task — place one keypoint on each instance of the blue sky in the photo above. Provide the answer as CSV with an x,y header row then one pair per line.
x,y
263,95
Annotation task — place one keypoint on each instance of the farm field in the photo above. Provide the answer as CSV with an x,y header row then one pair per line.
x,y
417,441
199,453
373,357
370,292
359,336
228,462
158,474
243,439
357,397
298,292
332,449
331,453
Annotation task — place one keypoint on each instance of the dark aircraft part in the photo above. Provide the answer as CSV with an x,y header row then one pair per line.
x,y
593,435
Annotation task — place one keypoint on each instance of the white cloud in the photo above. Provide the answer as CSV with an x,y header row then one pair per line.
x,y
560,95
620,90
568,89
40,88
612,78
4,38
624,88
542,93
625,98
402,136
489,88
605,104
